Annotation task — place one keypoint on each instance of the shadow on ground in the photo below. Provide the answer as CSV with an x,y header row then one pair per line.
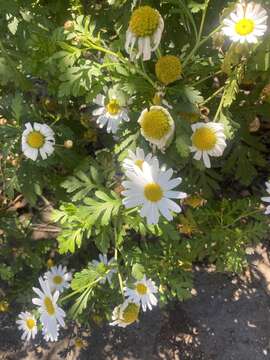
x,y
228,319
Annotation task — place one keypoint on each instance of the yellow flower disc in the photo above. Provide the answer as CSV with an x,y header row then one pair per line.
x,y
244,27
30,323
204,138
49,306
113,107
155,124
141,289
35,139
153,192
139,163
168,69
144,21
131,313
58,279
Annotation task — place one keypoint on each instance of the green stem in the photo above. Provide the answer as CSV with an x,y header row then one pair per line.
x,y
212,96
199,44
243,216
116,258
196,83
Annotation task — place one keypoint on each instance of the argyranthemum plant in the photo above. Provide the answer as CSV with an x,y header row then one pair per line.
x,y
111,112
152,190
157,126
137,159
37,139
142,293
125,314
58,278
247,23
51,315
28,324
208,139
151,77
145,27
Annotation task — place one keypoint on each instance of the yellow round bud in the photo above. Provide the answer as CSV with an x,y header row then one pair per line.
x,y
3,121
69,25
168,69
4,306
68,144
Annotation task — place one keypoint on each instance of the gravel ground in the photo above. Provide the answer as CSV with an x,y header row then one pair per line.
x,y
228,319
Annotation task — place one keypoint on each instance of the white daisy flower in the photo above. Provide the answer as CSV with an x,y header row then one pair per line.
x,y
157,126
146,26
28,324
151,189
37,139
208,139
58,278
105,265
247,23
111,112
50,313
137,159
267,198
125,314
143,293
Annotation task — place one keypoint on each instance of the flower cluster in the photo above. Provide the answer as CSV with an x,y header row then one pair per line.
x,y
141,294
51,315
150,188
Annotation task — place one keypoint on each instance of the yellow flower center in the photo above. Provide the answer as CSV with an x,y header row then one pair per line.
x,y
131,313
168,69
144,21
153,192
57,279
139,163
244,27
113,107
35,139
204,139
155,124
49,306
30,323
141,289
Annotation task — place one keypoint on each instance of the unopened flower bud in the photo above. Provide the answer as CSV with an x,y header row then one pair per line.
x,y
69,25
68,144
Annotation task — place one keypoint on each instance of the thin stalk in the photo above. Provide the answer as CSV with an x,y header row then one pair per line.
x,y
212,96
243,216
116,258
206,78
199,44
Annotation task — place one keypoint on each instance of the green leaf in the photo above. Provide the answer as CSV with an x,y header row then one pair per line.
x,y
103,211
137,271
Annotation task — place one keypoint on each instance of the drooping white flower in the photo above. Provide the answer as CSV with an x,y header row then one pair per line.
x,y
51,315
105,266
37,139
28,324
143,293
157,126
247,23
267,198
137,159
111,111
151,189
208,139
125,314
146,26
58,278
